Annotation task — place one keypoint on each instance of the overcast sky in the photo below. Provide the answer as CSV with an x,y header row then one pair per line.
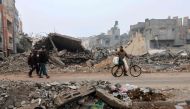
x,y
81,18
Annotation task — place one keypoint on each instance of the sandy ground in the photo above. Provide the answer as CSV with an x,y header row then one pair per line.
x,y
155,80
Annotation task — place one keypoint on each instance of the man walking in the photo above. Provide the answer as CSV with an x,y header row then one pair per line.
x,y
43,59
33,62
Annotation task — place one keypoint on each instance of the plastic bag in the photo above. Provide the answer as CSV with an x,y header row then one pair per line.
x,y
116,60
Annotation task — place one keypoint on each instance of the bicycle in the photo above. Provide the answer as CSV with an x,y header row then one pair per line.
x,y
118,70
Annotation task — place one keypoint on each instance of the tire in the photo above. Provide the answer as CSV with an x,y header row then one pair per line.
x,y
117,71
135,71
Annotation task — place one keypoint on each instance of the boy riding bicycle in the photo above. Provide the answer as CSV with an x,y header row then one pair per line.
x,y
122,61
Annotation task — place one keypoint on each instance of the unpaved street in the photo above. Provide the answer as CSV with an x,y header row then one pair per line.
x,y
154,80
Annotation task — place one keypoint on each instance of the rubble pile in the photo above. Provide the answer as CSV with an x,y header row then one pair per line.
x,y
18,63
100,54
69,95
134,93
23,94
165,61
74,57
106,64
14,64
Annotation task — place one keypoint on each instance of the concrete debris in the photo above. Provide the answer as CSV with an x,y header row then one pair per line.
x,y
114,102
164,60
60,42
100,54
14,64
69,95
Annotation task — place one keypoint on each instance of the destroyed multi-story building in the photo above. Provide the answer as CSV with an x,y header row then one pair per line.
x,y
10,26
109,40
162,33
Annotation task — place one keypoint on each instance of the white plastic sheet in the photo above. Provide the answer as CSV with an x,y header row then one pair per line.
x,y
116,60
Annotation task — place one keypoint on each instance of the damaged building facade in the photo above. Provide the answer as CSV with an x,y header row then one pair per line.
x,y
109,40
162,33
10,26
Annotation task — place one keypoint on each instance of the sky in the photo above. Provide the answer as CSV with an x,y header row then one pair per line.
x,y
83,18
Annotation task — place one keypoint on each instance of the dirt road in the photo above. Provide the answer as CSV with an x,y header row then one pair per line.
x,y
155,80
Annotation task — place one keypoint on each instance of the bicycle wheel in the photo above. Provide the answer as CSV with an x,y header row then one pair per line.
x,y
117,71
135,71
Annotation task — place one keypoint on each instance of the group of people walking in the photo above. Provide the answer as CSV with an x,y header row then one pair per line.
x,y
37,60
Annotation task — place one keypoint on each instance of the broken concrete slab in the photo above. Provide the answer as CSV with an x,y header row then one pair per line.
x,y
112,101
61,42
65,98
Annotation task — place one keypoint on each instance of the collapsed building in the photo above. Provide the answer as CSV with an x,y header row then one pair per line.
x,y
162,33
10,27
110,40
69,49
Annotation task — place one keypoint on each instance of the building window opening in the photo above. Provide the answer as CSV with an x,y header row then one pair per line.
x,y
10,40
150,31
116,37
107,42
9,26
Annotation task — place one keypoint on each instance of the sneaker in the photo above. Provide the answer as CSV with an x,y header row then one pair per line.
x,y
40,76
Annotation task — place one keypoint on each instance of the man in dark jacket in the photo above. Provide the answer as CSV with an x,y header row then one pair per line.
x,y
33,62
43,59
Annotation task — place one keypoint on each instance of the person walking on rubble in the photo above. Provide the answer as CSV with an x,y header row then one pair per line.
x,y
43,59
122,61
33,62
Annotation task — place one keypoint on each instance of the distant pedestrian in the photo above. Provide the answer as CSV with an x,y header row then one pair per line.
x,y
43,59
33,61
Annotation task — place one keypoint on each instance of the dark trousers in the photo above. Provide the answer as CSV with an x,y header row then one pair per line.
x,y
34,67
43,70
122,64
